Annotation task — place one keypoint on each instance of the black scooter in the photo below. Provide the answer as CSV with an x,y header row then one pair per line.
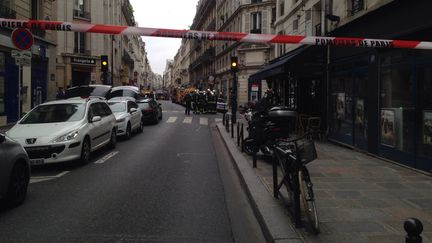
x,y
266,126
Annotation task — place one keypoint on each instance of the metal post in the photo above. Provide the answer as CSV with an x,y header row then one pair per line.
x,y
20,87
414,228
296,203
275,177
227,124
254,157
234,99
242,137
238,134
232,130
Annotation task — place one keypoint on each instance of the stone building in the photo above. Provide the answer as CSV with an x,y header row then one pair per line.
x,y
38,78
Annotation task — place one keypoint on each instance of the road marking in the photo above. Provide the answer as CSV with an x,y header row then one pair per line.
x,y
204,121
188,120
217,120
106,157
36,179
172,119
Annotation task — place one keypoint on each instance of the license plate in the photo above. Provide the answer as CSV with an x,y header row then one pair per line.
x,y
37,161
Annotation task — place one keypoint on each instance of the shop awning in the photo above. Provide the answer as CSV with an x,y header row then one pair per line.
x,y
277,67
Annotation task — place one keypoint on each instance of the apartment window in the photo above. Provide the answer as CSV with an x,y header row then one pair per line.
x,y
80,9
80,39
295,24
36,9
256,1
273,15
256,22
356,6
79,5
282,8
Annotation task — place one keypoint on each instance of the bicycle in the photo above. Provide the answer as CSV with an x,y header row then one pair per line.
x,y
292,155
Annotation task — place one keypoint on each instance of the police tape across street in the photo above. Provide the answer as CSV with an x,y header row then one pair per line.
x,y
211,35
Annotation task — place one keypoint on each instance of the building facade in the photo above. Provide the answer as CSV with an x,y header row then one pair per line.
x,y
38,78
78,54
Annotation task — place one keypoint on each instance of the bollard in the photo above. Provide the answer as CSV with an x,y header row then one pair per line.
x,y
232,130
255,159
275,177
238,134
227,123
414,228
242,137
223,118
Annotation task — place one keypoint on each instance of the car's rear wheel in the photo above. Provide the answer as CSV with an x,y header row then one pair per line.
x,y
18,184
113,141
85,151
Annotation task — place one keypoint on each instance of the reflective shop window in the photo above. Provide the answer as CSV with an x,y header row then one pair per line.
x,y
341,103
424,114
397,108
2,83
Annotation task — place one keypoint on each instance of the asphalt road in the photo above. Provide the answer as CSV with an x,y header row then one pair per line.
x,y
172,183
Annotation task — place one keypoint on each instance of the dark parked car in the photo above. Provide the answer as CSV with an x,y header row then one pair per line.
x,y
14,171
88,90
151,110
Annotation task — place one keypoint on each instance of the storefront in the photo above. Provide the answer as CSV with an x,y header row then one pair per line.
x,y
8,89
379,99
83,71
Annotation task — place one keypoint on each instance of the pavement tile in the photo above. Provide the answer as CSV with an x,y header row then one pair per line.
x,y
391,185
345,194
423,203
373,203
358,227
390,238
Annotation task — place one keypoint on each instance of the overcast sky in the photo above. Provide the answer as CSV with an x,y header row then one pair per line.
x,y
167,14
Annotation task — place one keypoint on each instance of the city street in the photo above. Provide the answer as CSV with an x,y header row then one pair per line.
x,y
172,183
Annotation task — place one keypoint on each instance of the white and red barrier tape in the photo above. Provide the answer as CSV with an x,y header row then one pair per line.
x,y
209,35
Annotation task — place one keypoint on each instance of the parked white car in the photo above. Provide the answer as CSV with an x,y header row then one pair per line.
x,y
14,171
66,130
127,114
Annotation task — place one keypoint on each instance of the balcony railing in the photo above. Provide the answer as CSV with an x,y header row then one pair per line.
x,y
128,13
207,57
38,32
255,31
6,12
78,13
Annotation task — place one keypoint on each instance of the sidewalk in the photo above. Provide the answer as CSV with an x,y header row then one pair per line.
x,y
359,198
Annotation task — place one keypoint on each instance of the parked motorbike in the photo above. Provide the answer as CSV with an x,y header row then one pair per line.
x,y
266,126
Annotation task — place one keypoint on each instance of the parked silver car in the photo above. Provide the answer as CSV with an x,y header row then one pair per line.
x,y
14,171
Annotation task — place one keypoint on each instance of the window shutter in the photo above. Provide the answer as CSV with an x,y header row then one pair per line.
x,y
265,22
247,26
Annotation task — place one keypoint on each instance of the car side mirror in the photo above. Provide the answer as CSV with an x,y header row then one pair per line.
x,y
133,110
96,119
2,138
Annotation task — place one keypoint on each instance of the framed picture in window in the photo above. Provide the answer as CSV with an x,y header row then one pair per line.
x,y
427,127
388,128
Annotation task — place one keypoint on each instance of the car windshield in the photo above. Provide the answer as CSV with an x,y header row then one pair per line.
x,y
117,106
55,113
143,105
123,93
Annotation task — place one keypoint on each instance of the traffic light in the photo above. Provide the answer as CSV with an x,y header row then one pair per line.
x,y
104,63
234,64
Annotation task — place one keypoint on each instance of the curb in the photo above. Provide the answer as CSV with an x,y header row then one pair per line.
x,y
272,216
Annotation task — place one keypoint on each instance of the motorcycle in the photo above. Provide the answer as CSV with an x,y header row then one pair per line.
x,y
266,126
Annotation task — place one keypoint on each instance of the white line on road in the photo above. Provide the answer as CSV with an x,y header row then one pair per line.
x,y
106,157
217,120
204,121
188,120
172,119
36,179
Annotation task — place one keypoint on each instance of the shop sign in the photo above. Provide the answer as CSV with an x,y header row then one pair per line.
x,y
83,60
255,87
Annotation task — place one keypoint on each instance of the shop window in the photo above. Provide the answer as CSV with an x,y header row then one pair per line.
x,y
397,109
424,122
2,95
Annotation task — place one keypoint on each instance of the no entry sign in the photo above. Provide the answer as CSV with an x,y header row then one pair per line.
x,y
22,39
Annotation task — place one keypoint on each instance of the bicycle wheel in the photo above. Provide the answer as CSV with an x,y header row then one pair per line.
x,y
308,201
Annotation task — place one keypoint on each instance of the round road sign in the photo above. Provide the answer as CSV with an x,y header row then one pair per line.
x,y
22,39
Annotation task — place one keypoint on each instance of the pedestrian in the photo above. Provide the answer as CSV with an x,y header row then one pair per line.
x,y
60,93
188,101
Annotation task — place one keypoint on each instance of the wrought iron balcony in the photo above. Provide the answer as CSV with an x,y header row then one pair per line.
x,y
6,12
207,57
78,13
38,32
